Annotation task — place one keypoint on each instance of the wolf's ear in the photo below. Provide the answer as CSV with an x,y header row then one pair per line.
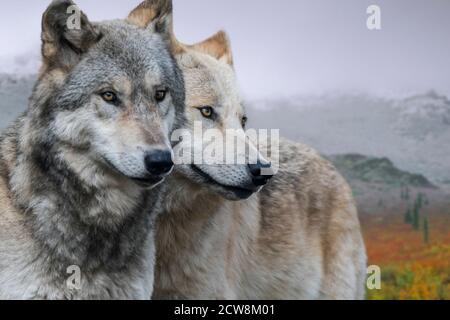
x,y
218,46
66,34
153,13
157,16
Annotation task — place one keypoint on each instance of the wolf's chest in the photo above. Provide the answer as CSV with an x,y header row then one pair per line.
x,y
25,281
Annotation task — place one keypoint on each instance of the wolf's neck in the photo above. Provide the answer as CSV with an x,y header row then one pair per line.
x,y
183,197
188,208
75,222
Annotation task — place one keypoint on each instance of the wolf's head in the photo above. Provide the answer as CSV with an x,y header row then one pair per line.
x,y
213,100
214,106
110,91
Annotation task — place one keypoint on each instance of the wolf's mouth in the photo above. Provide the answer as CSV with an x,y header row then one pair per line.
x,y
242,193
148,182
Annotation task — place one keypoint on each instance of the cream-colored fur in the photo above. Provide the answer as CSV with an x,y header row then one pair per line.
x,y
299,238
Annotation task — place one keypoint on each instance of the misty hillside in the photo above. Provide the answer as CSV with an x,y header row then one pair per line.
x,y
14,94
371,170
378,184
414,133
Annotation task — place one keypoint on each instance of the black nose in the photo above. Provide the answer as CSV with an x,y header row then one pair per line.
x,y
260,178
159,162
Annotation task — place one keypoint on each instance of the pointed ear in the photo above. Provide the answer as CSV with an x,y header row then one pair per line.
x,y
157,16
218,46
156,12
66,34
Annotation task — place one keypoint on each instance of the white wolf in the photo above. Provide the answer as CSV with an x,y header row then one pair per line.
x,y
299,238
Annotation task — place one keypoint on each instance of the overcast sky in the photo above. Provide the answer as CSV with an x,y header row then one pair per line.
x,y
285,47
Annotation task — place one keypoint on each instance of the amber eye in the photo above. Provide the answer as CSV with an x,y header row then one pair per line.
x,y
244,121
207,112
109,96
160,95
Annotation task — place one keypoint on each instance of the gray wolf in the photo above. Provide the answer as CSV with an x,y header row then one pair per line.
x,y
298,238
81,170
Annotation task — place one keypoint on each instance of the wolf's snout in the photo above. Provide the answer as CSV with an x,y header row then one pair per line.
x,y
261,173
159,162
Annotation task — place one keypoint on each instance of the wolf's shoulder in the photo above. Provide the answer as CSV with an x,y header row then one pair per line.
x,y
15,240
12,225
304,177
300,164
9,140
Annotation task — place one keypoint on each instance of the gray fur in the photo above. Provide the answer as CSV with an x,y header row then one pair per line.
x,y
65,197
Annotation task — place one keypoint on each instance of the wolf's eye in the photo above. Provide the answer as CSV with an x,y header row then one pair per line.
x,y
109,97
244,121
207,112
160,95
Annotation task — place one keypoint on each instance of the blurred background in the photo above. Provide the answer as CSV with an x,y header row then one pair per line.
x,y
374,102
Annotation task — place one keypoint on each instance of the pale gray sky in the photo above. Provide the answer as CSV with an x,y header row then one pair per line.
x,y
285,47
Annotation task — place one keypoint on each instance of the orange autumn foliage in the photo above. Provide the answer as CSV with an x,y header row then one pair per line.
x,y
411,268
